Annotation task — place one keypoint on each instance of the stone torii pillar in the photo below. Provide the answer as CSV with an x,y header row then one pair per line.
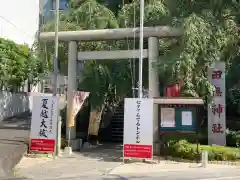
x,y
153,86
72,86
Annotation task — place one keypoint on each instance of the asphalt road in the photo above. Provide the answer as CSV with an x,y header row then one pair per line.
x,y
194,174
197,174
228,173
12,148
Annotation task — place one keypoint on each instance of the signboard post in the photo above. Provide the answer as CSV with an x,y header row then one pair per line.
x,y
217,108
138,128
43,132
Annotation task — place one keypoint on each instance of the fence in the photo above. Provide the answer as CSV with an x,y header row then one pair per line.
x,y
12,104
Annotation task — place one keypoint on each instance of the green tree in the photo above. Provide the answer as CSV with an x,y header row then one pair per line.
x,y
17,63
105,79
210,34
104,76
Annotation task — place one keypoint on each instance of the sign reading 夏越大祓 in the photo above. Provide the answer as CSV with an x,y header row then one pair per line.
x,y
217,108
44,123
138,128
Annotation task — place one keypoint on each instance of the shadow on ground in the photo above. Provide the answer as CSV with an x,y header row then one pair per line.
x,y
21,122
108,152
13,133
13,158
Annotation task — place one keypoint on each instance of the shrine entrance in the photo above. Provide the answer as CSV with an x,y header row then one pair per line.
x,y
152,53
217,108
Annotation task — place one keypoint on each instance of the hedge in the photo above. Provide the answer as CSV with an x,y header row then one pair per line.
x,y
232,138
185,150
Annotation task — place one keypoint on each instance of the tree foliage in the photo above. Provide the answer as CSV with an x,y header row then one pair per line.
x,y
105,76
210,33
17,63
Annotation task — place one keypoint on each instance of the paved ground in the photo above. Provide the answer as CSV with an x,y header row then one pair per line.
x,y
178,171
106,164
12,135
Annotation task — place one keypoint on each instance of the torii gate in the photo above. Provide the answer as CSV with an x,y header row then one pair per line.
x,y
152,53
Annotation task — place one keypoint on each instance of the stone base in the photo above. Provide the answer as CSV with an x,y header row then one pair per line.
x,y
76,144
68,151
156,148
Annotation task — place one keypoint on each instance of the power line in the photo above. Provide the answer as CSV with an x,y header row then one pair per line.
x,y
24,32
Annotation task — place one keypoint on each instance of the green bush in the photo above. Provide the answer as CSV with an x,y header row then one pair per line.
x,y
233,138
185,150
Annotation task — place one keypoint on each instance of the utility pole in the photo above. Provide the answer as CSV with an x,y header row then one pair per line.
x,y
55,77
140,86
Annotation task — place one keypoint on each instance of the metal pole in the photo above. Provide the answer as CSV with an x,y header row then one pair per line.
x,y
140,86
55,74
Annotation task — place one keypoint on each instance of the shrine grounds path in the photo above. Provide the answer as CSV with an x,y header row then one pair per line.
x,y
13,132
105,163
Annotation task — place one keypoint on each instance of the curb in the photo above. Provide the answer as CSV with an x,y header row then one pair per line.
x,y
14,128
237,163
22,126
176,160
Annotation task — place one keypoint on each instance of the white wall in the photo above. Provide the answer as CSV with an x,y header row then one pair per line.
x,y
12,104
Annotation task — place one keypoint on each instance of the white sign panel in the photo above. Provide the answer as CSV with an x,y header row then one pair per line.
x,y
167,117
44,117
217,108
138,128
187,118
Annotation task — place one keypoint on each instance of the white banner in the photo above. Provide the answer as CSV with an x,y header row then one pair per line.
x,y
44,117
78,100
138,128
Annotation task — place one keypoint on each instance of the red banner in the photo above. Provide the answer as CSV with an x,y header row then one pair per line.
x,y
138,151
42,145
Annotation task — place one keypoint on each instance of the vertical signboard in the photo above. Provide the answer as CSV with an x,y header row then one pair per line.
x,y
217,108
44,123
138,128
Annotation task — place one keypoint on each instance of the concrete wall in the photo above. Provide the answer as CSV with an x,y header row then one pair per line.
x,y
12,104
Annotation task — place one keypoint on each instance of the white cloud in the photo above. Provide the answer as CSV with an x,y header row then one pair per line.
x,y
24,14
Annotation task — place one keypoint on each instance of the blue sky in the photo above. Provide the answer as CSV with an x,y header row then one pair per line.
x,y
19,20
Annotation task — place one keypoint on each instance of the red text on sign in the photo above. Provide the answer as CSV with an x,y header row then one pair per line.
x,y
217,109
218,91
217,128
137,151
216,74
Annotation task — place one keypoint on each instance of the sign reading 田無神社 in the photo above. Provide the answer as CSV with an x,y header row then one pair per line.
x,y
217,108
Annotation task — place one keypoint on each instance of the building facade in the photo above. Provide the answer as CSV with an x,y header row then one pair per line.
x,y
47,8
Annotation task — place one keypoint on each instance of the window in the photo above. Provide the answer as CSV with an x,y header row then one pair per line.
x,y
62,4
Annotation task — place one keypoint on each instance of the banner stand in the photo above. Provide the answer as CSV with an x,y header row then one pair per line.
x,y
138,129
43,131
